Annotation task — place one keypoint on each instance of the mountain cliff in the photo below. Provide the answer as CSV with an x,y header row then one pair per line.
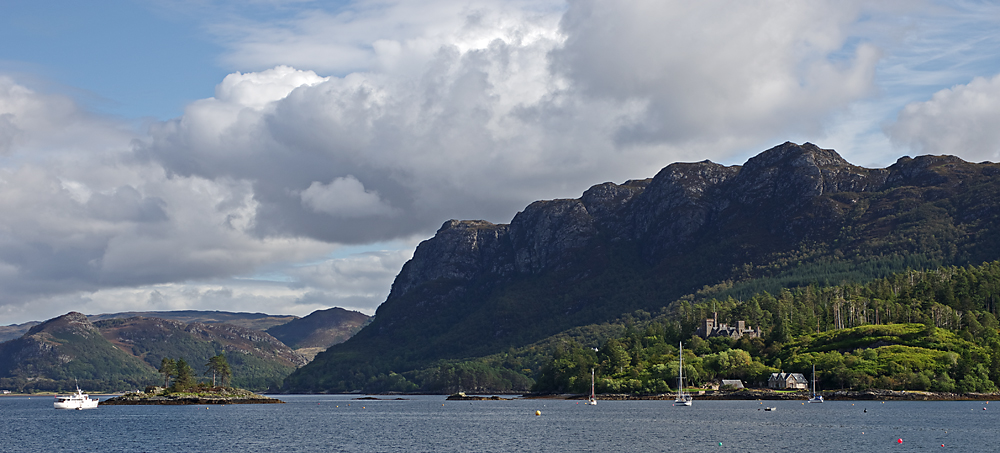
x,y
794,214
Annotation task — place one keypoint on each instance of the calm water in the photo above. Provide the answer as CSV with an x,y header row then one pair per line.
x,y
429,423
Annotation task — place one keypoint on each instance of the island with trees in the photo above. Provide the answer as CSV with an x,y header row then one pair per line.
x,y
181,386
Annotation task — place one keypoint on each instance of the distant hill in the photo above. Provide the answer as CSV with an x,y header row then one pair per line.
x,y
121,354
319,330
258,360
15,330
57,353
256,321
790,216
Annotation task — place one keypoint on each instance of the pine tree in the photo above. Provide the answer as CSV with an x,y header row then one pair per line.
x,y
168,368
219,367
184,376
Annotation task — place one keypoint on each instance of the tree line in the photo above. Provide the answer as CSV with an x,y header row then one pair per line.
x,y
920,330
178,376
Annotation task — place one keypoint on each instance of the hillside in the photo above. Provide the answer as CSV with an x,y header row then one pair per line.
x,y
15,330
791,216
55,354
256,321
917,330
258,360
319,330
124,354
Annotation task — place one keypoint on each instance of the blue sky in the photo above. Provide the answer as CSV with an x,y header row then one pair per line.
x,y
287,155
123,58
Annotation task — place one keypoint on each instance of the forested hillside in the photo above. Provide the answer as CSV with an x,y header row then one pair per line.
x,y
919,330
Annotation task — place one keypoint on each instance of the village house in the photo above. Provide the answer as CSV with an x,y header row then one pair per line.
x,y
711,328
734,384
787,381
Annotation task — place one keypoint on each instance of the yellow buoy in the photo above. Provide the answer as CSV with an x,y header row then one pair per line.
x,y
538,412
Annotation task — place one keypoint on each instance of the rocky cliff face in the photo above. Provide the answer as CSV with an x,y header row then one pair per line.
x,y
477,286
783,196
683,204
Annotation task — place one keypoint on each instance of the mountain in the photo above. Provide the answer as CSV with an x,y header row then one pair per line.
x,y
256,321
319,330
792,215
15,330
57,353
122,354
258,360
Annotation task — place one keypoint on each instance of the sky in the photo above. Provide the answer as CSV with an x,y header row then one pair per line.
x,y
285,156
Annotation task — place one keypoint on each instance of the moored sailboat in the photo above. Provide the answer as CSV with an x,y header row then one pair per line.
x,y
682,399
815,398
592,401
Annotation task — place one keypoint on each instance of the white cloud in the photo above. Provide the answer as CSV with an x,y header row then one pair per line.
x,y
473,110
961,120
744,70
82,215
255,90
344,197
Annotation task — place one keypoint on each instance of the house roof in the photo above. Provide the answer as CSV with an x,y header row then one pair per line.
x,y
795,377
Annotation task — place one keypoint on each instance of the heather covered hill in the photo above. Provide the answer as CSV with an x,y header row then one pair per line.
x,y
124,354
57,353
319,330
794,215
256,321
15,330
258,360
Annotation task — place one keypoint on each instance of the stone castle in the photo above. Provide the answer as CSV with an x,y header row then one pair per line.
x,y
711,328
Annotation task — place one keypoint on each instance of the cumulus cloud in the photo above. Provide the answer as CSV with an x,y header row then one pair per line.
x,y
81,214
344,197
482,107
356,282
716,68
257,89
961,120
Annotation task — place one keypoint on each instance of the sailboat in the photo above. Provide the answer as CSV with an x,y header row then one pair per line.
x,y
593,397
683,399
815,398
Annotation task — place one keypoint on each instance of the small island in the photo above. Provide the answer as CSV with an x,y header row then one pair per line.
x,y
186,390
197,395
461,396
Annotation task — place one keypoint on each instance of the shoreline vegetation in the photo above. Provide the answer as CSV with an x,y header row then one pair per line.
x,y
241,396
209,395
772,395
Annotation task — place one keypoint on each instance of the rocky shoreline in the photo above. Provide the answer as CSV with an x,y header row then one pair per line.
x,y
763,394
177,399
461,396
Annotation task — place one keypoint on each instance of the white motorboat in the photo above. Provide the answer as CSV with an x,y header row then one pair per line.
x,y
78,401
683,399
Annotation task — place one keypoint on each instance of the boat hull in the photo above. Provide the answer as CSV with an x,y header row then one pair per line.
x,y
89,404
78,401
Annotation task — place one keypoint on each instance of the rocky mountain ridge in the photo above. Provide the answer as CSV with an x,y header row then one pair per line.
x,y
791,214
682,203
